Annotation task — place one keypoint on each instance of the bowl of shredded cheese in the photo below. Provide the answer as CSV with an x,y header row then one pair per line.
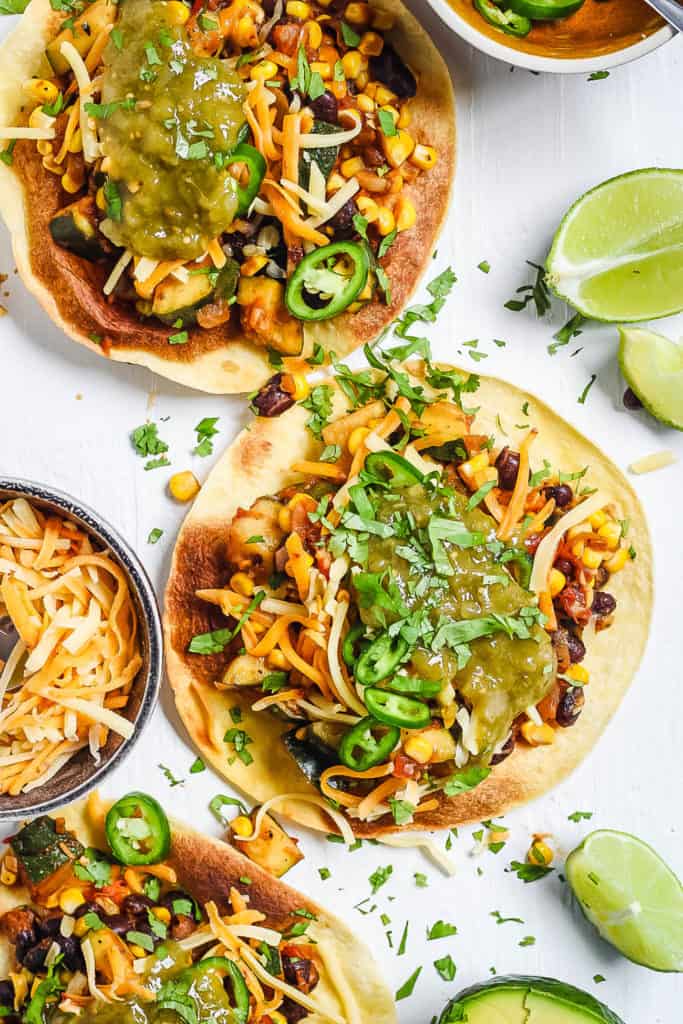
x,y
83,676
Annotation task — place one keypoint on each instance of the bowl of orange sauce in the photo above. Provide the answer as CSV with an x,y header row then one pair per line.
x,y
599,35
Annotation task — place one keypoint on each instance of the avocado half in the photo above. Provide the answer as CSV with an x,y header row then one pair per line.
x,y
516,999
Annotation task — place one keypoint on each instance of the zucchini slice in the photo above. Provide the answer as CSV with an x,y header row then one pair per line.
x,y
75,228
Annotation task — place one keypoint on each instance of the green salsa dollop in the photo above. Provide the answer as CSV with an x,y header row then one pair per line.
x,y
165,152
503,674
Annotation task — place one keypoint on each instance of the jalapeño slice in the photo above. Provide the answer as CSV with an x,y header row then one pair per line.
x,y
504,19
137,830
360,749
393,468
395,709
544,10
315,276
350,641
256,165
380,659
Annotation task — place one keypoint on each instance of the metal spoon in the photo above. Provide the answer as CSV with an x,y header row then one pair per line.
x,y
670,10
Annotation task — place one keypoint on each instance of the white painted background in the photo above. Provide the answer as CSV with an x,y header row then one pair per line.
x,y
528,146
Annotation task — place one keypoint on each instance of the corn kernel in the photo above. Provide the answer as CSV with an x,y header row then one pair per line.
x,y
397,148
183,486
298,9
592,558
598,519
44,147
352,63
576,531
385,220
371,44
474,465
277,1018
557,582
578,548
358,14
617,562
284,518
277,660
334,182
41,90
351,166
356,439
76,143
69,184
418,749
162,914
383,20
138,952
371,90
405,213
253,264
540,853
368,207
611,532
177,12
263,71
384,95
70,900
80,928
578,673
538,735
314,36
242,583
7,876
423,157
338,89
302,388
365,103
323,69
242,826
404,117
362,79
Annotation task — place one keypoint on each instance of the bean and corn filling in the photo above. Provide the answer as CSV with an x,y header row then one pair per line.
x,y
221,155
110,936
415,604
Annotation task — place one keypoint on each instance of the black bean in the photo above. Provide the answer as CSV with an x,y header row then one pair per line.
x,y
136,904
170,898
34,958
48,926
603,603
570,706
601,576
325,107
565,567
291,1011
24,941
342,222
507,465
6,993
576,647
71,949
389,69
504,751
562,493
631,400
86,908
272,399
120,924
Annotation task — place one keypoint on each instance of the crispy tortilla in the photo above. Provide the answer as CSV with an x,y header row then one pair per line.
x,y
256,464
70,288
206,869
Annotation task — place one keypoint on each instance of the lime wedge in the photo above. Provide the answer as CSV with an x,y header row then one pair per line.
x,y
653,368
631,896
618,253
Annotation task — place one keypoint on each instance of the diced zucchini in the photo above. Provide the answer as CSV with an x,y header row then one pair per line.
x,y
274,850
177,300
82,34
265,317
325,157
75,228
42,850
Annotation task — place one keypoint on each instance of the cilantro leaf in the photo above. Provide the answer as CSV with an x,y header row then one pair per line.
x,y
529,872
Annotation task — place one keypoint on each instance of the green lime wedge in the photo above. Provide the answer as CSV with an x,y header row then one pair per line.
x,y
618,253
631,896
653,368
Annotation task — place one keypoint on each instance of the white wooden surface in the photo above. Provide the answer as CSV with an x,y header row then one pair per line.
x,y
528,146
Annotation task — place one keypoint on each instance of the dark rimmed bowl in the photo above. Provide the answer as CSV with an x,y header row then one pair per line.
x,y
81,774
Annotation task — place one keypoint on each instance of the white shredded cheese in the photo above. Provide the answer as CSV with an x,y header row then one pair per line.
x,y
306,798
311,141
649,463
333,205
116,273
38,134
91,146
423,843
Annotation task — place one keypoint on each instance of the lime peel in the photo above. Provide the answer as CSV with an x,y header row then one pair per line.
x,y
653,368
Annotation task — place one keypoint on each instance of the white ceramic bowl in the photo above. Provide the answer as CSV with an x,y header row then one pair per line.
x,y
557,65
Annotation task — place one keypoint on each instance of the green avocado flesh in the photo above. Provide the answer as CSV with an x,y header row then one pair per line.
x,y
206,995
165,154
504,674
520,1000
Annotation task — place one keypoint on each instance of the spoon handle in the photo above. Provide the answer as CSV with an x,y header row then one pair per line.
x,y
671,11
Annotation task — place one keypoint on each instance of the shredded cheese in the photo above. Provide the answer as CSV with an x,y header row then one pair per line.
x,y
423,843
288,990
649,463
117,271
38,134
306,798
339,199
91,146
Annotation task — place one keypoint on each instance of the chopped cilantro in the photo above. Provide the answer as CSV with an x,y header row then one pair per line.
x,y
528,940
238,739
577,816
408,986
387,123
350,37
216,641
537,293
197,766
319,404
529,872
170,778
441,930
324,873
380,877
505,920
205,430
484,266
404,939
421,881
584,394
445,967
